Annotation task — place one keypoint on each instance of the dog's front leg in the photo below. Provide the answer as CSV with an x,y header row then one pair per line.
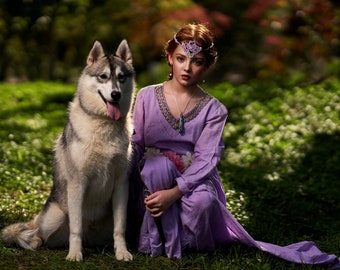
x,y
119,206
75,195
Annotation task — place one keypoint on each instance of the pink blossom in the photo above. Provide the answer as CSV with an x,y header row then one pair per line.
x,y
176,159
273,40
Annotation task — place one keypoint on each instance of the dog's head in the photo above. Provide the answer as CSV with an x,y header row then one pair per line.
x,y
107,82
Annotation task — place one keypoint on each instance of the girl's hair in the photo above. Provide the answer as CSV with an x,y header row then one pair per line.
x,y
201,35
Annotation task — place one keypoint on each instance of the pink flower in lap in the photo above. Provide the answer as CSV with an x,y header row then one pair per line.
x,y
176,159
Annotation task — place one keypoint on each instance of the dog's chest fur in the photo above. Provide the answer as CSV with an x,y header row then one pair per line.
x,y
100,152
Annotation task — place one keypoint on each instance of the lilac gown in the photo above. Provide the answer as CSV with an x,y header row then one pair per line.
x,y
199,220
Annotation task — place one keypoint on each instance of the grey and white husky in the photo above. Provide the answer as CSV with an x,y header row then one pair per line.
x,y
88,202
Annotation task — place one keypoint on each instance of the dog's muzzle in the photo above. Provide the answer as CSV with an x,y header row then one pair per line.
x,y
113,109
115,96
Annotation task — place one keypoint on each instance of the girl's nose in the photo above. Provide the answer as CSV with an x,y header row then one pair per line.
x,y
187,66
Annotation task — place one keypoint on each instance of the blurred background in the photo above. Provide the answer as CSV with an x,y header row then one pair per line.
x,y
282,41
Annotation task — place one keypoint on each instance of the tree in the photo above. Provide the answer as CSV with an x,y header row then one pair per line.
x,y
266,39
299,36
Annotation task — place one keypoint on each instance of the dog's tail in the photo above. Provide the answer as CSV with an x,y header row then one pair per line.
x,y
24,235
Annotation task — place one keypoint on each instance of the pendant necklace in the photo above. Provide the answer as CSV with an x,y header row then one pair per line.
x,y
181,116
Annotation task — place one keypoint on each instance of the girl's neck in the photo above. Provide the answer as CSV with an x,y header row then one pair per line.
x,y
179,89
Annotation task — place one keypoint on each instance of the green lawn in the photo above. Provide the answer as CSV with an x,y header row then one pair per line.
x,y
280,170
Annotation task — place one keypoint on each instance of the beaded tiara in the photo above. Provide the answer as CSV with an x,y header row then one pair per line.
x,y
191,48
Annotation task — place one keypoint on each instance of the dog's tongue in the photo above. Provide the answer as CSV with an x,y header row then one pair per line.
x,y
113,110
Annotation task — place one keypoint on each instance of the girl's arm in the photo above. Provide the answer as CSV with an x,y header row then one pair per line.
x,y
208,151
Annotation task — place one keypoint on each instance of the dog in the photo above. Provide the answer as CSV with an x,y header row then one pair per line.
x,y
88,202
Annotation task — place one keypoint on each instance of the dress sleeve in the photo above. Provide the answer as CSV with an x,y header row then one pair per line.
x,y
138,123
207,152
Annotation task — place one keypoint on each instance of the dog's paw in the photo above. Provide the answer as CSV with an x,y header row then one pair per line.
x,y
123,254
74,256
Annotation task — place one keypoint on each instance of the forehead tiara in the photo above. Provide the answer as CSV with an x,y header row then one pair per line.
x,y
191,48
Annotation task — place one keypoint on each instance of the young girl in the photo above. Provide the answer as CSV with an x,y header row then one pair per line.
x,y
178,144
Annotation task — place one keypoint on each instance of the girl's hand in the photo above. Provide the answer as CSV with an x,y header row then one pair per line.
x,y
157,203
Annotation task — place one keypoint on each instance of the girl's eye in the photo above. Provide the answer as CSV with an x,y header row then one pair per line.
x,y
180,59
198,62
103,77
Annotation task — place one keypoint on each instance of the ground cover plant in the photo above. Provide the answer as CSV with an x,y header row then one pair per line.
x,y
280,171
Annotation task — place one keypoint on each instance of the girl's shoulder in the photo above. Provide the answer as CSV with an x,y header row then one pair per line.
x,y
147,93
215,104
149,89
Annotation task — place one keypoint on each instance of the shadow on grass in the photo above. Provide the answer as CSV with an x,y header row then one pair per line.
x,y
304,205
52,105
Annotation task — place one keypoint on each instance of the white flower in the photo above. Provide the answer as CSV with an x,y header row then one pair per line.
x,y
187,159
151,152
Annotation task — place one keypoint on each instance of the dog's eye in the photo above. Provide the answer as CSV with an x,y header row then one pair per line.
x,y
121,77
103,77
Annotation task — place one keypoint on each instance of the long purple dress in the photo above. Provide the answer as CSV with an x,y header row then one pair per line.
x,y
199,220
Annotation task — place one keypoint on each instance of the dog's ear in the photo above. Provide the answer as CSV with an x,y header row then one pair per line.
x,y
124,53
96,52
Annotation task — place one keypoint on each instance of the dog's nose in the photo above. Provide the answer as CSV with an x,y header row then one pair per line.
x,y
115,95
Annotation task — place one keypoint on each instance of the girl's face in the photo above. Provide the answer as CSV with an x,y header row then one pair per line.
x,y
187,70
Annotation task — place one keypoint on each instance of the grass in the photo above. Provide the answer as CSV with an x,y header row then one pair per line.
x,y
280,171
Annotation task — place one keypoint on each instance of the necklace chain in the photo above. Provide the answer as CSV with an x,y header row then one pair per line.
x,y
186,105
181,117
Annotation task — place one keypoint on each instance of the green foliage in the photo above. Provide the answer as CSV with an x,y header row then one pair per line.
x,y
33,115
49,40
282,153
285,41
298,36
280,171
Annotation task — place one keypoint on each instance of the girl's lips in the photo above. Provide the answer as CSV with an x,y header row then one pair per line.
x,y
185,77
